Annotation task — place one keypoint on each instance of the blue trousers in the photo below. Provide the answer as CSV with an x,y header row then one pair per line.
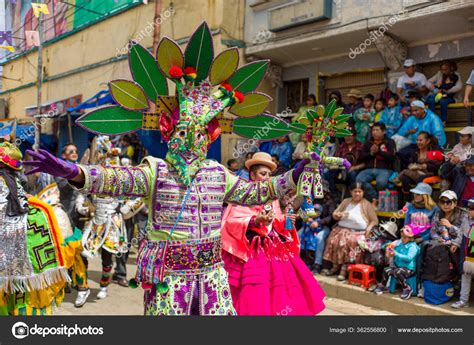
x,y
443,104
381,177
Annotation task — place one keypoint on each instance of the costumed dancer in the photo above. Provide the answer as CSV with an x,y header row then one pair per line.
x,y
261,256
104,231
72,246
179,263
32,266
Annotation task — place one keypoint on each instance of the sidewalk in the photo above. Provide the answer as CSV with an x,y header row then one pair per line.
x,y
387,301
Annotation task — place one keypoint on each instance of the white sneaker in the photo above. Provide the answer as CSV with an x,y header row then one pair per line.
x,y
459,304
421,293
102,293
82,298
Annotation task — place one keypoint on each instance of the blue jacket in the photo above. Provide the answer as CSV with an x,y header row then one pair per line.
x,y
284,152
405,255
392,118
431,123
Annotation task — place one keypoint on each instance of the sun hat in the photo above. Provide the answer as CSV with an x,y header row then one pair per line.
x,y
261,158
354,93
422,188
10,155
449,194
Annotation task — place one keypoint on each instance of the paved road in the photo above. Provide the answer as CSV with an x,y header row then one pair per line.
x,y
126,301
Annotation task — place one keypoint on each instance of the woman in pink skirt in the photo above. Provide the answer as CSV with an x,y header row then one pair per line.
x,y
266,274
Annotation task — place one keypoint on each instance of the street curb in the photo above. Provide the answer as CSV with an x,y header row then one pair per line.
x,y
387,301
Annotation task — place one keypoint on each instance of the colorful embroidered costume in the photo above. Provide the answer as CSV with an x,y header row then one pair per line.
x,y
179,263
32,272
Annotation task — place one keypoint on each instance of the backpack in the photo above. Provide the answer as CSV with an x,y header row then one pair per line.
x,y
438,264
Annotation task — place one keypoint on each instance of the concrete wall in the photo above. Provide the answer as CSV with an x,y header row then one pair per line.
x,y
107,40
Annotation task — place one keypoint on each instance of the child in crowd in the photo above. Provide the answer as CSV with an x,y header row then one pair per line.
x,y
419,213
233,165
402,255
391,116
364,118
406,111
468,267
379,107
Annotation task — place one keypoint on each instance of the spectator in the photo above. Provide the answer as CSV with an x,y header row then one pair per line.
x,y
127,148
403,256
351,150
469,85
300,148
310,104
406,110
266,146
355,101
461,178
423,120
356,217
379,108
447,83
364,118
423,163
244,172
378,155
410,81
391,117
419,213
336,94
463,149
448,221
233,165
283,149
468,266
280,169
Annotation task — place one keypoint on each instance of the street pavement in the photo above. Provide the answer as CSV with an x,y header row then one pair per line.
x,y
127,301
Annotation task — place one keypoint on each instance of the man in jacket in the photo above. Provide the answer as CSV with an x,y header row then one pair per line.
x,y
378,155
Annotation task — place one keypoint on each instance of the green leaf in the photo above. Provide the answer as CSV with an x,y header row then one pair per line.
x,y
330,108
261,127
253,104
298,128
311,115
341,133
169,54
146,73
320,110
200,52
111,120
224,65
247,77
337,112
128,94
343,118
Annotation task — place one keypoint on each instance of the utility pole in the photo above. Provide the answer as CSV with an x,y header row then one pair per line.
x,y
157,27
37,118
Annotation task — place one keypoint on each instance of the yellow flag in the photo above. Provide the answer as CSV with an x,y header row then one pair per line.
x,y
39,8
10,48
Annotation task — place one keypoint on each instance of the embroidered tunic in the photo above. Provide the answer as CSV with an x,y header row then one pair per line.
x,y
193,264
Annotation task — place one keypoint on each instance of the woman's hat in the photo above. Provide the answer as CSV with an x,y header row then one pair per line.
x,y
407,231
262,158
449,194
390,228
422,189
354,93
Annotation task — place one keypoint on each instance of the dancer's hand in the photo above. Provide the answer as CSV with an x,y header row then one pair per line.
x,y
346,164
45,162
298,169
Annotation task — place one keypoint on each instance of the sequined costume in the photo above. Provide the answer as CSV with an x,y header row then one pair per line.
x,y
193,263
32,267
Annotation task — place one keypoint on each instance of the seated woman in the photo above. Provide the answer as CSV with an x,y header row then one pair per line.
x,y
356,217
419,213
423,162
266,275
448,223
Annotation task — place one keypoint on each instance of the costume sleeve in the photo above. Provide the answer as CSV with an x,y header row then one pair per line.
x,y
248,193
116,181
4,191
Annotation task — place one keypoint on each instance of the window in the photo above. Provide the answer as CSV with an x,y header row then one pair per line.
x,y
296,93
